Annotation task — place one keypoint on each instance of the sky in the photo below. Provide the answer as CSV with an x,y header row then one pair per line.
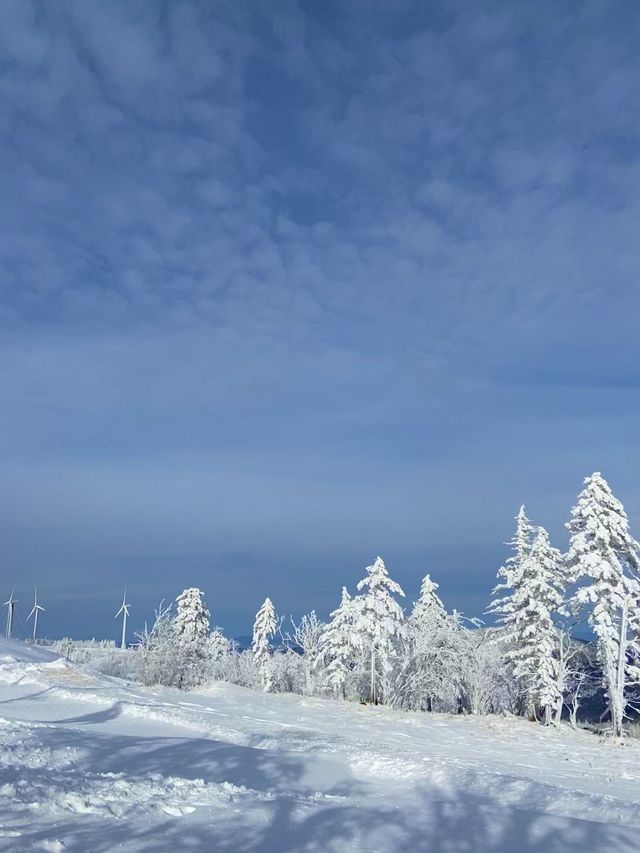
x,y
285,286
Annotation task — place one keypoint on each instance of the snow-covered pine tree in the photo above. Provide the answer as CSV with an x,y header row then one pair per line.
x,y
192,617
511,572
378,625
337,647
428,611
427,671
532,578
219,645
219,650
521,542
192,635
545,568
605,558
264,628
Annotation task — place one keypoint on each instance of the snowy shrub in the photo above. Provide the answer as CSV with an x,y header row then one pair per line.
x,y
287,672
117,663
159,654
306,641
218,650
487,686
245,671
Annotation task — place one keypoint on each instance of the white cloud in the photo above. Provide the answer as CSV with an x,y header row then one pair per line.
x,y
355,232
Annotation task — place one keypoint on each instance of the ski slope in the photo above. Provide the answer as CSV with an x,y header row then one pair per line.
x,y
89,763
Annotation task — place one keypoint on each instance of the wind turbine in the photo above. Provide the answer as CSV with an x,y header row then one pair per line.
x,y
125,612
11,608
34,612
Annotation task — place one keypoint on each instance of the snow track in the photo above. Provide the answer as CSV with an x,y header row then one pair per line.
x,y
89,763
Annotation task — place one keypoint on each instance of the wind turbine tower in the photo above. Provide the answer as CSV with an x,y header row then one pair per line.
x,y
11,609
125,612
34,612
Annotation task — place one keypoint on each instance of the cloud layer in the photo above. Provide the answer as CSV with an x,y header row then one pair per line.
x,y
284,285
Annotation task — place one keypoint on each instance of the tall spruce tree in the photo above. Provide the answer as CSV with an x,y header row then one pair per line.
x,y
378,625
264,628
337,645
426,674
192,635
542,604
515,578
428,611
604,559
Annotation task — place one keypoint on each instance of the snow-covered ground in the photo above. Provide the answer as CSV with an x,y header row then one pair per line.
x,y
89,763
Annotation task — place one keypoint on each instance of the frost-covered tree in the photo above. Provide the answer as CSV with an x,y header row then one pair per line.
x,y
533,580
427,670
546,572
286,670
160,658
567,648
579,676
520,545
486,685
192,635
264,628
219,648
306,639
219,645
336,646
428,611
192,617
378,625
604,558
511,576
240,667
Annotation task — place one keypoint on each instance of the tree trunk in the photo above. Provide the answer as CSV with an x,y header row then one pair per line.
x,y
612,693
372,686
557,711
563,653
617,702
573,713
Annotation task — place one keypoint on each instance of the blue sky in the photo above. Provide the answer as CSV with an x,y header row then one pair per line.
x,y
287,285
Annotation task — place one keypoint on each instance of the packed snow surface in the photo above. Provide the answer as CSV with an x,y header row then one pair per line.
x,y
89,763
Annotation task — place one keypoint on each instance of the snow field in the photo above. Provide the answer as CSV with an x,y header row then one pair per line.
x,y
89,763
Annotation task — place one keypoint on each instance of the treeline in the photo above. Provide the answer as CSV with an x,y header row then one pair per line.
x,y
430,659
